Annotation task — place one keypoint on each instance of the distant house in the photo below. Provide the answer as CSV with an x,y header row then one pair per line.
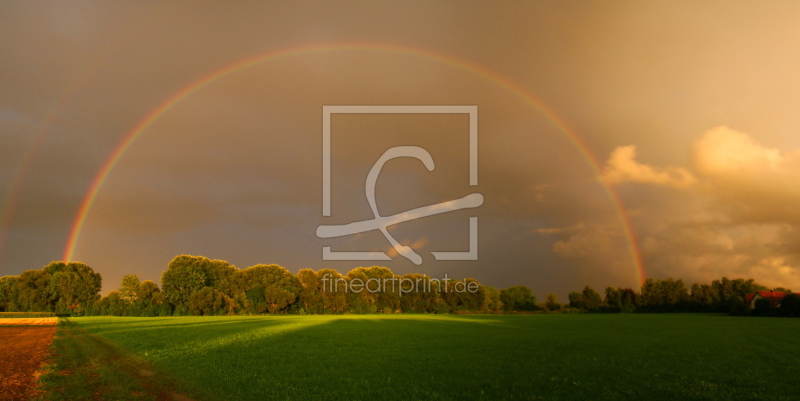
x,y
774,297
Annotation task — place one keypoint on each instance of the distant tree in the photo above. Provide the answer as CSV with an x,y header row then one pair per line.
x,y
186,275
369,301
677,293
460,297
552,302
73,286
727,289
310,296
782,289
256,300
146,291
790,305
280,287
208,301
116,305
741,287
576,300
613,299
664,295
419,295
389,296
591,298
334,292
33,291
7,287
493,302
704,298
361,301
738,307
441,307
649,294
129,287
228,281
518,298
629,300
150,300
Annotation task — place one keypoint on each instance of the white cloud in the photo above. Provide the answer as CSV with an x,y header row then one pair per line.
x,y
623,167
723,151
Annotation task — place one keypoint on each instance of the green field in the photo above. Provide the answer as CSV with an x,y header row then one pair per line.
x,y
567,356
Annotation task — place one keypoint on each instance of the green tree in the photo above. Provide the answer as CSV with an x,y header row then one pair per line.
x,y
333,291
33,291
613,298
280,287
360,300
150,300
7,286
310,296
208,301
129,287
628,297
112,305
493,302
366,301
668,295
591,299
518,298
419,295
147,291
576,300
256,300
73,287
188,274
552,302
465,295
704,297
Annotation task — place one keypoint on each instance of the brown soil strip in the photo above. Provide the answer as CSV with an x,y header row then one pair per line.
x,y
23,350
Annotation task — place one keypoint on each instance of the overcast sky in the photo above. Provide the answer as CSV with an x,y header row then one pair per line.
x,y
691,109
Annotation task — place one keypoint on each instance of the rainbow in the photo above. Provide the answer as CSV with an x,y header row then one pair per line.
x,y
241,65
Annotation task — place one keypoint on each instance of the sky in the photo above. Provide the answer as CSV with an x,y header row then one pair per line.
x,y
617,141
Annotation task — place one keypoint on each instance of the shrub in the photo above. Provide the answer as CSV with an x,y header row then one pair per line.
x,y
790,305
441,307
762,307
27,315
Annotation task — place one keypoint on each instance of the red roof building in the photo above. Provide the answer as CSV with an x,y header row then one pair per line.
x,y
774,297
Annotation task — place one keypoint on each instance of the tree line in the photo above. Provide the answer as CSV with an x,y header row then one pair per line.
x,y
196,285
723,296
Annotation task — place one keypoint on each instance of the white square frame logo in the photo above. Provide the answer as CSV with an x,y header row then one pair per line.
x,y
471,110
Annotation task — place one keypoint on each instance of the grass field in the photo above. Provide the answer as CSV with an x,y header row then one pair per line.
x,y
584,356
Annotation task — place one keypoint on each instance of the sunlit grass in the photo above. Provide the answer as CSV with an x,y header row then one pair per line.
x,y
457,357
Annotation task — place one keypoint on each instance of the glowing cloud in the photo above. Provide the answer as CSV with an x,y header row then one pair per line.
x,y
623,167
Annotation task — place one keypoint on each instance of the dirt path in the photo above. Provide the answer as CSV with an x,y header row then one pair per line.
x,y
23,350
88,367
